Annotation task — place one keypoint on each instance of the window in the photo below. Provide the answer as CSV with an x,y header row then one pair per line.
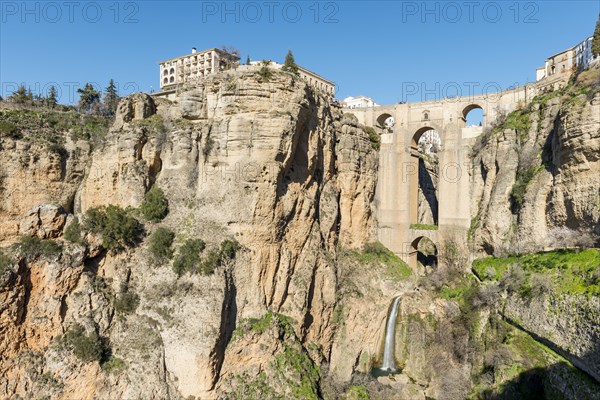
x,y
172,80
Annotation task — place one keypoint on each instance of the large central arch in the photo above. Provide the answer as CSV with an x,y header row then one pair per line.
x,y
420,178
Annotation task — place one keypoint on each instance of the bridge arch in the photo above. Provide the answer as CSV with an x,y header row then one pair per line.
x,y
385,121
473,115
423,196
420,132
423,251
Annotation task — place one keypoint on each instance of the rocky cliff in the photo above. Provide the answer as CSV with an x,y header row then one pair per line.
x,y
536,173
272,165
223,245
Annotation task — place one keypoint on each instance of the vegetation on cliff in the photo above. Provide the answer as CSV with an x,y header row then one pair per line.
x,y
116,226
568,271
155,206
377,254
291,374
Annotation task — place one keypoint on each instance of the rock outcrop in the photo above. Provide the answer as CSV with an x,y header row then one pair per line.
x,y
536,175
273,165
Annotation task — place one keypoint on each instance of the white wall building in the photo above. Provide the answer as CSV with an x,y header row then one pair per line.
x,y
564,63
195,66
358,102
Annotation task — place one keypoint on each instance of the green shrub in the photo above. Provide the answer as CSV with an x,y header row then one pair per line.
x,y
377,254
33,246
155,124
117,228
86,347
520,122
265,73
155,206
425,227
524,178
373,137
160,244
229,248
9,129
210,262
126,303
188,258
114,365
5,263
73,231
565,271
358,393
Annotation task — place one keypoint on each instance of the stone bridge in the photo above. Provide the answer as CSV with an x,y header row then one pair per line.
x,y
400,126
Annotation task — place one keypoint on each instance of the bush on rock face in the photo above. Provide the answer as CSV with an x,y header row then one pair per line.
x,y
188,259
86,347
160,244
117,228
155,206
33,246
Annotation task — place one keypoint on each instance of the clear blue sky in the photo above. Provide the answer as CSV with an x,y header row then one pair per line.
x,y
386,50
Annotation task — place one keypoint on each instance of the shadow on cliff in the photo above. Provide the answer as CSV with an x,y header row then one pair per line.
x,y
427,186
557,381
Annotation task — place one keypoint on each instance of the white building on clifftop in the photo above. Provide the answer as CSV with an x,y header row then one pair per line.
x,y
191,69
194,67
560,66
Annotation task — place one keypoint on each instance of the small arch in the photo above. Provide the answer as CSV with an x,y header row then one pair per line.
x,y
166,80
385,121
426,115
165,72
423,252
172,71
172,79
473,115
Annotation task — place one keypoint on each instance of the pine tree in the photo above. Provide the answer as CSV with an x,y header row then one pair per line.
x,y
89,98
248,60
290,63
51,99
111,98
19,96
596,39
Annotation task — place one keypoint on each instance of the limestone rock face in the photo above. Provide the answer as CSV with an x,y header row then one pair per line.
x,y
44,221
535,185
31,176
134,108
570,323
273,165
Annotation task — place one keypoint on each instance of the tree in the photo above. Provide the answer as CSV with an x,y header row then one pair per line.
x,y
248,60
89,98
596,39
111,98
19,96
290,63
51,99
230,49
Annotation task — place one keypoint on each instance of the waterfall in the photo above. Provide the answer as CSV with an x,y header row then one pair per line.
x,y
389,364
